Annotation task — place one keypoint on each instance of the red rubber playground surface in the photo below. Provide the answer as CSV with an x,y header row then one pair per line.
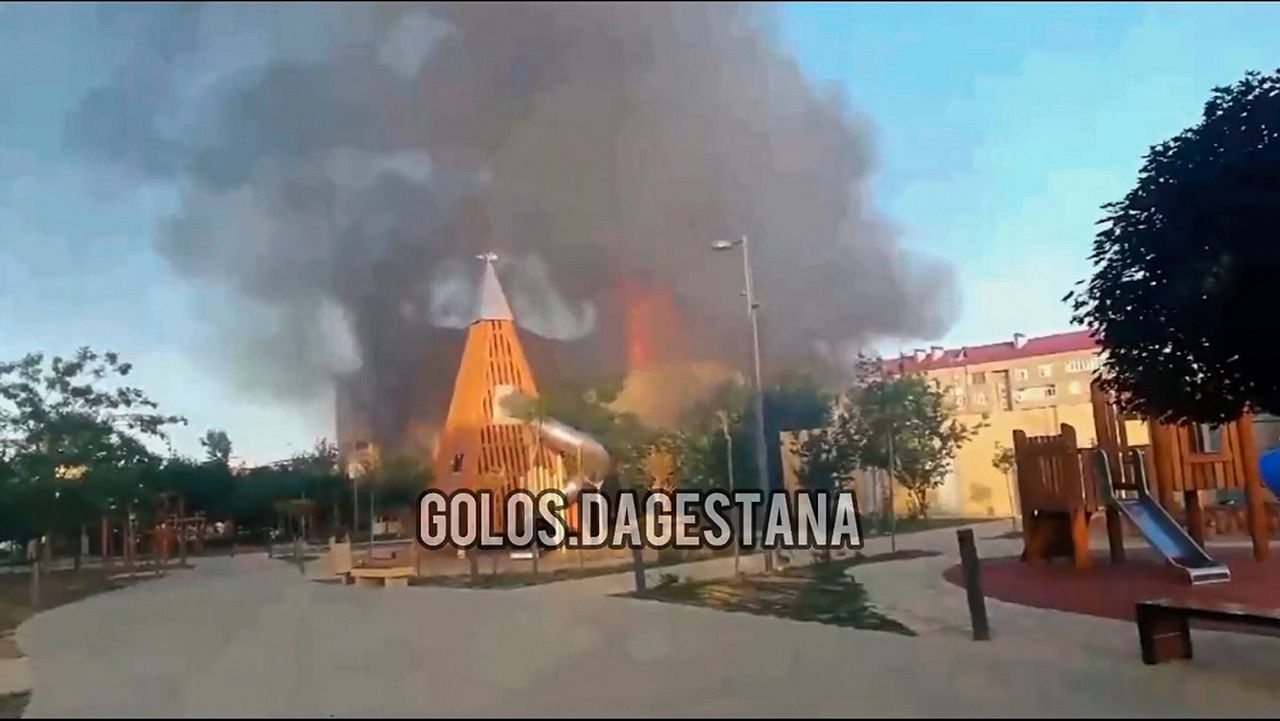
x,y
1111,591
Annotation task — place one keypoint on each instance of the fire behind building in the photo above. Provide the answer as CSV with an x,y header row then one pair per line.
x,y
641,337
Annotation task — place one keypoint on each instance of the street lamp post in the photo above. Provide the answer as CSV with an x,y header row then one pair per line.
x,y
753,308
728,457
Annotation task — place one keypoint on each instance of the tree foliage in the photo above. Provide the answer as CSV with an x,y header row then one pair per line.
x,y
587,408
399,478
72,436
1003,459
906,427
1182,293
73,448
827,457
74,412
793,402
694,454
217,446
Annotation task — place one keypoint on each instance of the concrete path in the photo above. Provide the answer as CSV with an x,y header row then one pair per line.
x,y
250,636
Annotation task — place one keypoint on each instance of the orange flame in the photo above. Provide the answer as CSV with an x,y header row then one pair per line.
x,y
654,332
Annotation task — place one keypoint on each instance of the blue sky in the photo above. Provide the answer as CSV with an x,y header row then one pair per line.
x,y
1000,131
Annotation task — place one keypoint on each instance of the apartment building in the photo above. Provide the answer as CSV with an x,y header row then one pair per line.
x,y
1033,384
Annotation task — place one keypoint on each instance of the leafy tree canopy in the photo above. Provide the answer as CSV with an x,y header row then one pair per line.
x,y
72,439
70,413
1182,297
217,446
907,427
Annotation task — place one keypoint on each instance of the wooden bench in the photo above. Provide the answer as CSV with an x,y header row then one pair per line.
x,y
372,577
1164,631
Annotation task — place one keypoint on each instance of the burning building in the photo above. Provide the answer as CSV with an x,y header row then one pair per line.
x,y
641,336
482,444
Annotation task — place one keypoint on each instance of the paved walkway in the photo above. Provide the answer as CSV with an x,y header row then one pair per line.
x,y
250,636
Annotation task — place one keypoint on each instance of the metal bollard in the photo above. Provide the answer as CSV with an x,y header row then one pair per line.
x,y
973,585
637,559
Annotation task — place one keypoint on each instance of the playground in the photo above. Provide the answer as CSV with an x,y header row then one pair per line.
x,y
1112,590
272,641
1209,561
370,629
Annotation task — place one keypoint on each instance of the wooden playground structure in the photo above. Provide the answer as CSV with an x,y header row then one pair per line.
x,y
151,548
1060,489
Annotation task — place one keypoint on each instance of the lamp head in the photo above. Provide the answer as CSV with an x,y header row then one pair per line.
x,y
724,245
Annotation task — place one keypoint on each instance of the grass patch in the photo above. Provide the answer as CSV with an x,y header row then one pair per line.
x,y
12,705
819,593
56,589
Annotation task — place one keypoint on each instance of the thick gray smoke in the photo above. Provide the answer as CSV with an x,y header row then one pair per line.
x,y
341,165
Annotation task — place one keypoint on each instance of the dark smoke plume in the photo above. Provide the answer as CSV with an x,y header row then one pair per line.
x,y
341,165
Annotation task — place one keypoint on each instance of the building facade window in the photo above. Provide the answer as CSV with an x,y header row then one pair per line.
x,y
1083,365
978,378
1074,388
1046,371
980,398
1035,393
1020,374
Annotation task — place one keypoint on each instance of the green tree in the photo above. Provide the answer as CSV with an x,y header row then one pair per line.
x,y
1185,265
400,479
587,409
393,482
826,457
907,420
1004,461
204,487
793,402
217,446
324,483
65,425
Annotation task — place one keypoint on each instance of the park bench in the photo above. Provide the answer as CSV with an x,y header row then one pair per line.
x,y
373,577
1164,631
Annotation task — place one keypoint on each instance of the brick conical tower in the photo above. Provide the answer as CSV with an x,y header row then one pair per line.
x,y
481,446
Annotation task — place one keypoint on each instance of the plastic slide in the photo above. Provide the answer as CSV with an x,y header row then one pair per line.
x,y
1158,527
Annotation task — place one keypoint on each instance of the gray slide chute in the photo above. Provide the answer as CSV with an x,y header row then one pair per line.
x,y
593,458
1156,525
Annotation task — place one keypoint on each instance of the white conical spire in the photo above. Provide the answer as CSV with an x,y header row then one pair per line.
x,y
493,302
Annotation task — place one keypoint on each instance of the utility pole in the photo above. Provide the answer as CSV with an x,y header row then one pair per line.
x,y
753,308
375,468
737,531
354,472
893,513
762,452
